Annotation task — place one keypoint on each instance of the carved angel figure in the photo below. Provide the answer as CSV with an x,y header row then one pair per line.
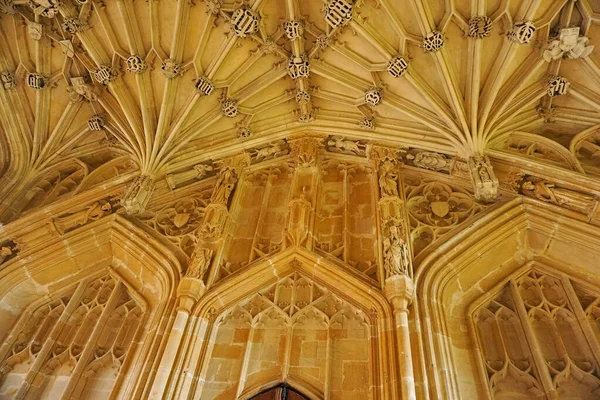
x,y
224,186
396,258
91,213
549,193
567,45
388,179
272,151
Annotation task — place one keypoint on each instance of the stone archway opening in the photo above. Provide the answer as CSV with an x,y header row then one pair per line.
x,y
279,392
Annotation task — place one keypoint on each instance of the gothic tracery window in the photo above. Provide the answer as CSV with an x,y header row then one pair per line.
x,y
538,338
72,346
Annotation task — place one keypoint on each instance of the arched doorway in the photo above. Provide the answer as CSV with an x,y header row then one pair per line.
x,y
280,392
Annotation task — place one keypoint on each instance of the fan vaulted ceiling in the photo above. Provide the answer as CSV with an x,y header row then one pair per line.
x,y
168,84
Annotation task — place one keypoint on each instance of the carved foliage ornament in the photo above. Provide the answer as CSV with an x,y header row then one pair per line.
x,y
433,41
171,68
74,25
299,67
479,27
179,221
136,64
367,123
305,150
7,7
397,66
557,86
96,123
105,74
302,97
8,80
430,160
35,30
435,208
337,12
229,108
521,32
204,86
82,87
373,96
293,29
37,81
197,172
244,22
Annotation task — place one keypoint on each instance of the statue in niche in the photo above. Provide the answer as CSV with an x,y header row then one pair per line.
x,y
396,258
91,213
550,193
224,186
199,262
388,179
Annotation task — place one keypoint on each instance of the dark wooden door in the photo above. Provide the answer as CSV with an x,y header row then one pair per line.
x,y
281,392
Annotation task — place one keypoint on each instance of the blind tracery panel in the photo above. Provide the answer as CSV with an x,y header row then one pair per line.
x,y
538,338
72,347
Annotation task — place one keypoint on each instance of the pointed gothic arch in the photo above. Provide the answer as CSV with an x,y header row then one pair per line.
x,y
509,241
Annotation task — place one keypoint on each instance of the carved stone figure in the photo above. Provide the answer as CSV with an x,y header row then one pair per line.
x,y
138,195
199,262
197,172
568,44
396,258
84,88
45,8
272,151
388,178
430,160
550,193
35,30
91,213
224,186
339,144
483,178
74,25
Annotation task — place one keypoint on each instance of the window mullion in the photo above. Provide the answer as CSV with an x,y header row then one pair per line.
x,y
51,340
536,351
91,343
582,318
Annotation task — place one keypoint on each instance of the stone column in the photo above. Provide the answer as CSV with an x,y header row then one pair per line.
x,y
399,290
397,262
189,291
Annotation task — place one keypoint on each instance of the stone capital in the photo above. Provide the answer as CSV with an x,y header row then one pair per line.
x,y
189,291
399,290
